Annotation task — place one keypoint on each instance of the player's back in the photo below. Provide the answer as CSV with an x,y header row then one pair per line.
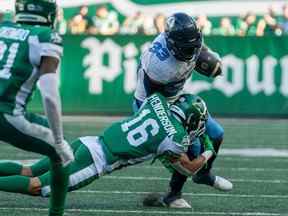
x,y
150,132
21,48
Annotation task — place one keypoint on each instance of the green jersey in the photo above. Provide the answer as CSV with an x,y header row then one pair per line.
x,y
21,49
152,132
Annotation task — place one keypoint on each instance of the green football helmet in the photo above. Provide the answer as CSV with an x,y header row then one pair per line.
x,y
36,12
192,111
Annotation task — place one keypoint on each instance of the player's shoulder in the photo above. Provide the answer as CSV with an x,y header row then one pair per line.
x,y
47,35
159,62
181,138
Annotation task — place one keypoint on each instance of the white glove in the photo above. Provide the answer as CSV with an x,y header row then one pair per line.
x,y
65,152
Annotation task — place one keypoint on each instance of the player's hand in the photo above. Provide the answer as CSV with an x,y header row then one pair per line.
x,y
65,152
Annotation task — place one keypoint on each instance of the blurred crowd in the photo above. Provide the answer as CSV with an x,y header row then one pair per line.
x,y
107,21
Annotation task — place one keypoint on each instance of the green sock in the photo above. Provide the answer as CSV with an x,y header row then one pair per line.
x,y
15,184
59,185
41,167
8,168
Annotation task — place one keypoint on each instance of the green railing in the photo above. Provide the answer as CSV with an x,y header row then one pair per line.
x,y
98,75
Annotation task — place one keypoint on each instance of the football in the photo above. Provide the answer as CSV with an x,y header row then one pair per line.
x,y
208,63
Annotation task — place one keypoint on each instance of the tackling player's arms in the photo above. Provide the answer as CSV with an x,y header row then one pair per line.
x,y
189,167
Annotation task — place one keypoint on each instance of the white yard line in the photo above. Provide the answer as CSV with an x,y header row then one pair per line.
x,y
250,159
264,196
145,178
149,167
255,152
153,178
147,212
233,169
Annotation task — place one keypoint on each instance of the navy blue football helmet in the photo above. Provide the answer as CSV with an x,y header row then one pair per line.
x,y
183,37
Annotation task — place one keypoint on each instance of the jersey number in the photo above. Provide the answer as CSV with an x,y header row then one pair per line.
x,y
161,52
140,134
5,73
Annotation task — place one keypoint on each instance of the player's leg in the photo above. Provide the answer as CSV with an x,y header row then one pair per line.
x,y
178,180
204,176
8,168
43,165
216,134
173,198
82,171
30,133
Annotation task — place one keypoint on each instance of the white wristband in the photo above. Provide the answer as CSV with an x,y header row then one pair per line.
x,y
207,155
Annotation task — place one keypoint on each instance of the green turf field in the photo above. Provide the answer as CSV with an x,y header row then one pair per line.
x,y
260,183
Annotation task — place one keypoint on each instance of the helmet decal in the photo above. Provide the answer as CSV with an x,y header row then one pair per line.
x,y
192,110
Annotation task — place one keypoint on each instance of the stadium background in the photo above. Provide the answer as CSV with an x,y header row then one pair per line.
x,y
255,69
250,100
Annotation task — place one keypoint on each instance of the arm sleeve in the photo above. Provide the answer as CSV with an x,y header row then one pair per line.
x,y
52,50
48,85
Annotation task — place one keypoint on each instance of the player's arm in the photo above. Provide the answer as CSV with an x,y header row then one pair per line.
x,y
48,85
208,63
190,167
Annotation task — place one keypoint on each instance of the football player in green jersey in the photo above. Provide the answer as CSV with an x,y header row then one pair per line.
x,y
30,52
155,131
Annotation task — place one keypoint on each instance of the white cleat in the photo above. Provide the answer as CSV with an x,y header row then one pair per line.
x,y
179,203
222,184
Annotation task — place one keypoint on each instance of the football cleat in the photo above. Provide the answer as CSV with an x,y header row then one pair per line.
x,y
179,203
217,182
222,184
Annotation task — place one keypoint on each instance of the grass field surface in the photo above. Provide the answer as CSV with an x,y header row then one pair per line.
x,y
254,157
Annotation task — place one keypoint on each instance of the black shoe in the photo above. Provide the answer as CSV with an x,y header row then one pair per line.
x,y
168,201
154,200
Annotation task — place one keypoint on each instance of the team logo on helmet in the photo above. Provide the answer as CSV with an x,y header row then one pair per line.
x,y
192,111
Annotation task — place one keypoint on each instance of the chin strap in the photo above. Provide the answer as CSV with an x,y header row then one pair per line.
x,y
31,18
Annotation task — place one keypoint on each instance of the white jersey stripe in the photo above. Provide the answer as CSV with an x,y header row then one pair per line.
x,y
74,179
31,129
24,92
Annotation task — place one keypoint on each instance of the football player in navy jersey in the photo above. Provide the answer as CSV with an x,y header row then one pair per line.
x,y
164,67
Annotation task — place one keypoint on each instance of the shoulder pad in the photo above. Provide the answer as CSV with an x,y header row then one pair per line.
x,y
47,35
56,38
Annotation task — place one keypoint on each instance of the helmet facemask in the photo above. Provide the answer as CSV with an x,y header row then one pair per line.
x,y
40,12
